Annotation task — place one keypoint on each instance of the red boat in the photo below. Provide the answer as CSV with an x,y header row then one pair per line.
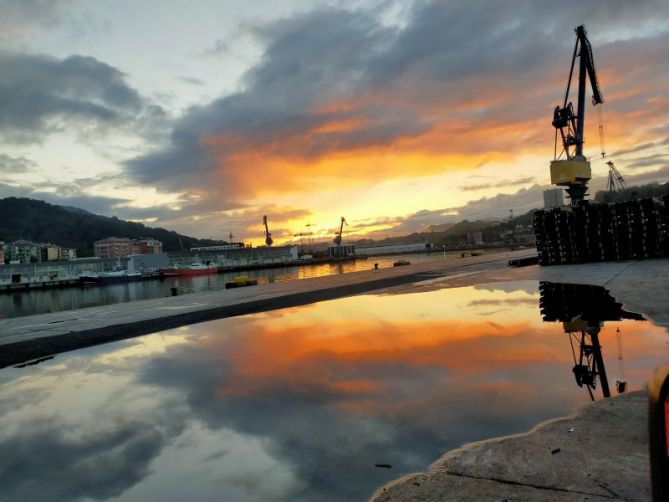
x,y
194,269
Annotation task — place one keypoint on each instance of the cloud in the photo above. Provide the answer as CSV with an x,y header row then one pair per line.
x,y
648,161
102,466
484,186
22,19
40,94
13,165
338,92
659,175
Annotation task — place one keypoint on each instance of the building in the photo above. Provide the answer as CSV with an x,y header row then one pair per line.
x,y
553,197
117,247
394,249
65,254
23,251
341,250
220,247
237,257
49,252
146,245
114,247
2,253
147,261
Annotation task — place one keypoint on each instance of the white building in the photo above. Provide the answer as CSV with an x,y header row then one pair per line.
x,y
553,197
394,249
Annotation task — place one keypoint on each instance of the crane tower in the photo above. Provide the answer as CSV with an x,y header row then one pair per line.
x,y
268,236
337,239
571,168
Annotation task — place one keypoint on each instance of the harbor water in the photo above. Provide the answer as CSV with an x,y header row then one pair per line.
x,y
27,302
326,401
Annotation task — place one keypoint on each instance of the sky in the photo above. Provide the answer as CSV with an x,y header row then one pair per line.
x,y
204,116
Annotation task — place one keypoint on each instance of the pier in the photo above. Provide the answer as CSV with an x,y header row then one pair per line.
x,y
36,336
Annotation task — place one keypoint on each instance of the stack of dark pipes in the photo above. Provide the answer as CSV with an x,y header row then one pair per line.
x,y
632,230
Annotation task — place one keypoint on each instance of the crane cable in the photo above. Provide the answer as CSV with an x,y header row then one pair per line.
x,y
600,118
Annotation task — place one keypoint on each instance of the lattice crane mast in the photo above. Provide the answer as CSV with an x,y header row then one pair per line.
x,y
268,236
337,239
615,182
571,168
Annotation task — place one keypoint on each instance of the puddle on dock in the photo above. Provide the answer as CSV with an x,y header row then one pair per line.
x,y
322,402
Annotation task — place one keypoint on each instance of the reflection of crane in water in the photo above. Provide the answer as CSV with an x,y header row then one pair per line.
x,y
582,311
268,235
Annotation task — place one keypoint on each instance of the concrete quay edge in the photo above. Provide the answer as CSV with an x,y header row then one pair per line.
x,y
600,453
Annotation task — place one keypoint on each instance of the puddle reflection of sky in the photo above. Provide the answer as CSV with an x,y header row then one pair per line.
x,y
298,403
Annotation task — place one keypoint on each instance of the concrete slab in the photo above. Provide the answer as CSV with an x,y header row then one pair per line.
x,y
600,453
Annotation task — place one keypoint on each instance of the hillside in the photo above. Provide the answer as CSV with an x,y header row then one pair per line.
x,y
39,221
635,192
455,235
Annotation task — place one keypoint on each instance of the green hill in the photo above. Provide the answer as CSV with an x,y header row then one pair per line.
x,y
39,221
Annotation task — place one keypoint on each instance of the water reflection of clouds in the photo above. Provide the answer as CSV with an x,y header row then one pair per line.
x,y
529,287
296,406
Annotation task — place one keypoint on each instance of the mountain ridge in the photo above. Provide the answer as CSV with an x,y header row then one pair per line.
x,y
40,221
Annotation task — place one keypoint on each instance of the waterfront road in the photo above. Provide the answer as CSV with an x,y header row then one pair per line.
x,y
27,338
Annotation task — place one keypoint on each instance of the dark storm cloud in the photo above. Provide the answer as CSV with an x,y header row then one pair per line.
x,y
311,60
40,94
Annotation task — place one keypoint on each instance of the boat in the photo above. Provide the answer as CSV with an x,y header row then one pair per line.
x,y
192,269
241,281
113,276
152,273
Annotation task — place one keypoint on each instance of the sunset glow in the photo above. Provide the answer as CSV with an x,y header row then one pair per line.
x,y
307,112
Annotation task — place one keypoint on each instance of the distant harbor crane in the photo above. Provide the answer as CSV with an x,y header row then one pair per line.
x,y
615,182
573,171
337,239
310,234
268,236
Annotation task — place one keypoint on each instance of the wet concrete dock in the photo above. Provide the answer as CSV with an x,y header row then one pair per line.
x,y
600,453
31,337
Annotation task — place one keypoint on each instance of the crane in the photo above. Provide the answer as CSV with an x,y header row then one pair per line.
x,y
337,239
268,235
573,171
616,180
